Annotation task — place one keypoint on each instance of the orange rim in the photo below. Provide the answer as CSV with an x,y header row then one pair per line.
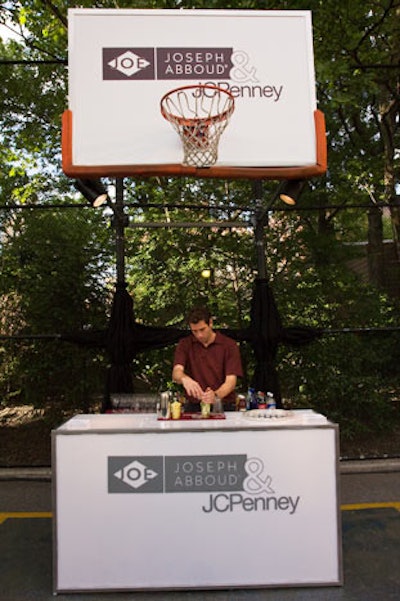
x,y
188,122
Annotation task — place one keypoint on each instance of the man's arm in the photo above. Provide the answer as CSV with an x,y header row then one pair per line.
x,y
222,391
191,387
227,387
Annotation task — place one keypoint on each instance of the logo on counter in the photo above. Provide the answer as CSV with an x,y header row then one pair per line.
x,y
135,474
204,473
233,482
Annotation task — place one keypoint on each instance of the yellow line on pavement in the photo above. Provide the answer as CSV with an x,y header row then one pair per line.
x,y
24,515
357,506
6,515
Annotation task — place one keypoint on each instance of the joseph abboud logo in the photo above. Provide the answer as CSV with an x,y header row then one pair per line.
x,y
169,63
233,482
226,68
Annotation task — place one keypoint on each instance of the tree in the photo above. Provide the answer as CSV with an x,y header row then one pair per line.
x,y
55,288
357,60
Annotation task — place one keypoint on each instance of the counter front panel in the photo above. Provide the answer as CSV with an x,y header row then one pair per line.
x,y
141,504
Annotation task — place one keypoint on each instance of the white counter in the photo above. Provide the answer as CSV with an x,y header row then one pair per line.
x,y
146,504
148,422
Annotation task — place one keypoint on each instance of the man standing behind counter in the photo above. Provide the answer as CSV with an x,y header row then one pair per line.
x,y
207,364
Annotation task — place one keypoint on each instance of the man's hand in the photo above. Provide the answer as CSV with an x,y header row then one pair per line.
x,y
192,387
208,396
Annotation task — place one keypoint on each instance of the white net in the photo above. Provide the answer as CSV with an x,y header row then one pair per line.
x,y
199,114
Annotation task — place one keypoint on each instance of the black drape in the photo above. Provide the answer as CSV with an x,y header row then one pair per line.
x,y
125,338
265,334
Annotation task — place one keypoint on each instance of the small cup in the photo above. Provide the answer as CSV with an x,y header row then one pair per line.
x,y
205,409
176,408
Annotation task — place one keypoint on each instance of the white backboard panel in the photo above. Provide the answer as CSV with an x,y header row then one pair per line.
x,y
121,62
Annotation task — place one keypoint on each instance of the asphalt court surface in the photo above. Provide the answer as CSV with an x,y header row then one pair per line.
x,y
370,511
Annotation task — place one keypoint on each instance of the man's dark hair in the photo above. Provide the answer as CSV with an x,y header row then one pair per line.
x,y
199,314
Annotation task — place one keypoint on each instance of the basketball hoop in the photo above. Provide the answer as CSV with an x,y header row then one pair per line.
x,y
199,114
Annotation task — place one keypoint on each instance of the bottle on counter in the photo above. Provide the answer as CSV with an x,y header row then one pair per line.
x,y
251,399
261,400
271,402
241,403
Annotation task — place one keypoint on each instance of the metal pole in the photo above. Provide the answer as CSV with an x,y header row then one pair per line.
x,y
189,224
259,223
119,225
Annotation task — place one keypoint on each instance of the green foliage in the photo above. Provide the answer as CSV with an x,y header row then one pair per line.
x,y
56,279
52,272
165,263
350,378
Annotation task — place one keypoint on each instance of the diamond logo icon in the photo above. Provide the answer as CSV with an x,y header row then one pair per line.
x,y
128,63
135,474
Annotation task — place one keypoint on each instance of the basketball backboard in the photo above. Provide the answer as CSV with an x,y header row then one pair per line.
x,y
122,62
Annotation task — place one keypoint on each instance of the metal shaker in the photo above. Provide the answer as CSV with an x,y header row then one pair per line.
x,y
165,404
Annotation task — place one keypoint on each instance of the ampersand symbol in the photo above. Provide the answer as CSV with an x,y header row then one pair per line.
x,y
240,72
255,481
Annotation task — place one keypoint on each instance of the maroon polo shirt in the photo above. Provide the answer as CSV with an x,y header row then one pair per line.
x,y
209,365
